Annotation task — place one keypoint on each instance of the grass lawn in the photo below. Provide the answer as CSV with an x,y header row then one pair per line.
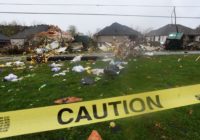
x,y
140,75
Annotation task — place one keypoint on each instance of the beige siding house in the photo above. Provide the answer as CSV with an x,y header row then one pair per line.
x,y
116,32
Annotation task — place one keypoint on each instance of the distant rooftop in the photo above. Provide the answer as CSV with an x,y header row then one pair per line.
x,y
117,29
28,32
167,29
3,38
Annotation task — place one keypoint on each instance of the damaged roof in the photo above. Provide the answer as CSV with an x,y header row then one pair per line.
x,y
167,29
117,29
28,32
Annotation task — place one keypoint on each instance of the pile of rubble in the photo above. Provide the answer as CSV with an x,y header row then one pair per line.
x,y
53,42
54,39
127,48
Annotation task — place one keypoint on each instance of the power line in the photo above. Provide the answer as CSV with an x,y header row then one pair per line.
x,y
97,5
96,14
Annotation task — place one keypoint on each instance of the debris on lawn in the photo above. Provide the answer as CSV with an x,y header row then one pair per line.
x,y
190,112
87,81
179,60
114,128
64,80
18,64
63,73
68,100
39,58
97,79
97,72
12,78
78,69
76,59
197,58
56,69
30,67
158,125
112,124
19,68
107,59
118,63
149,53
8,64
13,64
53,65
94,136
112,70
42,86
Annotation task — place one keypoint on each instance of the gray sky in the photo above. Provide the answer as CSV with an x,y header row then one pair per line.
x,y
91,23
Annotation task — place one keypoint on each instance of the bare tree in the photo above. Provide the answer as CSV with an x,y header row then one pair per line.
x,y
146,31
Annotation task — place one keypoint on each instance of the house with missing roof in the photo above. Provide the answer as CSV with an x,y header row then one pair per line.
x,y
21,38
161,34
4,40
116,32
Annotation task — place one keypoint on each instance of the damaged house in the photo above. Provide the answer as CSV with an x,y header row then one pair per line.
x,y
21,39
116,32
4,40
161,34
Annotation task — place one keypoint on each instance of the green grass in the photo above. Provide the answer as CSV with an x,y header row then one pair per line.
x,y
145,74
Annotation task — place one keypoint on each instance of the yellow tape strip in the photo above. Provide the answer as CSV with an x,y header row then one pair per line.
x,y
69,115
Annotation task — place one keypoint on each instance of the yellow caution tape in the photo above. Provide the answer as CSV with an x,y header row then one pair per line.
x,y
69,115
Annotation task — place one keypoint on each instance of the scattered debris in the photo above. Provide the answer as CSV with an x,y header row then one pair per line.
x,y
115,128
68,100
97,79
87,81
12,78
61,50
53,65
149,53
63,73
76,59
30,67
112,70
56,69
18,64
78,69
179,60
107,59
8,64
97,71
197,58
42,86
112,124
76,47
64,80
190,112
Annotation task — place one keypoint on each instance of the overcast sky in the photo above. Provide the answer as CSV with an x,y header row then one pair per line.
x,y
92,23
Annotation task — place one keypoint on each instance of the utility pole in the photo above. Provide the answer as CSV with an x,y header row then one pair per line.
x,y
175,18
